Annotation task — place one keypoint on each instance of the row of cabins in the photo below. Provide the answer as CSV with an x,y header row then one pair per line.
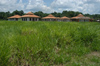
x,y
53,18
31,17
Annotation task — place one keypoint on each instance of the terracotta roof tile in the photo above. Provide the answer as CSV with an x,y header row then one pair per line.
x,y
50,16
15,16
65,17
80,16
58,17
30,14
35,16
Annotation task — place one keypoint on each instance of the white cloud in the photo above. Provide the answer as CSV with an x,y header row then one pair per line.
x,y
38,5
11,5
85,6
31,5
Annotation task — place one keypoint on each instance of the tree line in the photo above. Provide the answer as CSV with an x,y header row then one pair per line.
x,y
5,15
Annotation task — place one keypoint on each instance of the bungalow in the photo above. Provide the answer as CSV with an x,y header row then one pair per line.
x,y
14,18
50,17
30,17
58,19
81,18
65,19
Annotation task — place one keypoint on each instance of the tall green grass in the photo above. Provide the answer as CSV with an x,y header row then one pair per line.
x,y
48,43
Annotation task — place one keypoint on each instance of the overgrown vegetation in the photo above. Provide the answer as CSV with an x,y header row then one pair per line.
x,y
49,43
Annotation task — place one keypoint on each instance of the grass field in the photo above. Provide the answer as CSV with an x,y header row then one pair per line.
x,y
49,43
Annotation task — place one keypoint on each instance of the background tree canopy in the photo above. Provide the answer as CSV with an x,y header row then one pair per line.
x,y
5,15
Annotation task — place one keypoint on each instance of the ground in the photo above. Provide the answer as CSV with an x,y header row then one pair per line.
x,y
49,43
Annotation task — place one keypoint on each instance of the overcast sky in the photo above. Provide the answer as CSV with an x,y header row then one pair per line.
x,y
48,6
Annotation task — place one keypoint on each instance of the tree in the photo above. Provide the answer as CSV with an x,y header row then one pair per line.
x,y
16,12
39,13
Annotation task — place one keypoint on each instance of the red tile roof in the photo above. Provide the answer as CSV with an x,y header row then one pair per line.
x,y
50,16
65,17
30,14
80,16
58,17
15,16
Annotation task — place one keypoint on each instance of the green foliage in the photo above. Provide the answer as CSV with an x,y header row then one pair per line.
x,y
70,13
16,12
95,59
5,15
48,43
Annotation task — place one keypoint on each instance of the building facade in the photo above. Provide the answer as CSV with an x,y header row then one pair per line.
x,y
65,19
14,18
81,18
30,17
50,17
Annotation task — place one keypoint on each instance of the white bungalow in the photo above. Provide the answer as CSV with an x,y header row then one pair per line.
x,y
66,19
81,18
58,19
30,17
50,17
14,18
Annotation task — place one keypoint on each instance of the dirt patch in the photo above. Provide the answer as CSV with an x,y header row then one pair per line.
x,y
94,54
57,49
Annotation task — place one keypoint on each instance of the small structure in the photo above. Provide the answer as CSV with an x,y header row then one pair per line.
x,y
50,17
98,20
81,18
30,17
65,19
14,18
58,19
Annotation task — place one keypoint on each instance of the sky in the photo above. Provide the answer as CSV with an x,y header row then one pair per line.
x,y
48,6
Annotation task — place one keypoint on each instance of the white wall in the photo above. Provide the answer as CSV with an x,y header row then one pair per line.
x,y
28,19
87,20
81,20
